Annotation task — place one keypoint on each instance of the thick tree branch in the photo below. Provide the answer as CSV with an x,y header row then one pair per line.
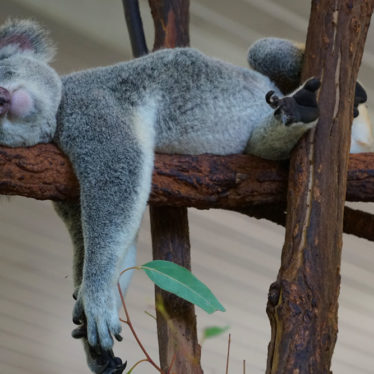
x,y
43,172
243,183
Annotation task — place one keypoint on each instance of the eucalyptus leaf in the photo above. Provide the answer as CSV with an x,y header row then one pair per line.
x,y
213,331
181,282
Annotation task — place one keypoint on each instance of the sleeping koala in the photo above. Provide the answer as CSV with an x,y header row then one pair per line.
x,y
110,121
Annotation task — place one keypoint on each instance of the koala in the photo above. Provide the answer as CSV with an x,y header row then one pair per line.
x,y
110,120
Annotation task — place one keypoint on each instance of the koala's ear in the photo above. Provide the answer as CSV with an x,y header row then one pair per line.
x,y
25,36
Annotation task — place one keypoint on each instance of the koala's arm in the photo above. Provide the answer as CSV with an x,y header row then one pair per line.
x,y
111,149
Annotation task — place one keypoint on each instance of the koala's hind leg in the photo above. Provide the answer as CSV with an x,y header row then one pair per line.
x,y
70,213
279,59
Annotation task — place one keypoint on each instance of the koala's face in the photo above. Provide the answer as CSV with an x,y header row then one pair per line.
x,y
30,93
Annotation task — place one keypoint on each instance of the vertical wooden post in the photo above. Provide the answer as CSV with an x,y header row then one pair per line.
x,y
176,322
303,302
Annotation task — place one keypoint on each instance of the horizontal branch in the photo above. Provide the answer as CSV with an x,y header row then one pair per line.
x,y
356,222
232,182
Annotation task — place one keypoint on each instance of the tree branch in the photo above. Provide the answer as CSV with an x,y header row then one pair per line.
x,y
303,302
43,172
356,222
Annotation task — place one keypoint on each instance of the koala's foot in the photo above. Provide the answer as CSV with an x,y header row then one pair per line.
x,y
98,320
100,361
301,107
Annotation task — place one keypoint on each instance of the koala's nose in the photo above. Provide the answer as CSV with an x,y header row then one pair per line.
x,y
4,101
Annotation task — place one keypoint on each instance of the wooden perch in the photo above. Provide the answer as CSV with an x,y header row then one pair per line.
x,y
232,182
243,183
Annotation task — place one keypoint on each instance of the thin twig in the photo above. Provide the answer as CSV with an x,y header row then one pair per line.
x,y
243,366
228,354
172,363
128,321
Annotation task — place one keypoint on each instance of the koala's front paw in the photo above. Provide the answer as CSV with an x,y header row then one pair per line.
x,y
301,107
96,313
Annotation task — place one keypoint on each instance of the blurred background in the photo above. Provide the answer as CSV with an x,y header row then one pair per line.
x,y
237,257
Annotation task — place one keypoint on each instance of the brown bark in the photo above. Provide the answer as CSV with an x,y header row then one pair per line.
x,y
176,321
171,20
176,324
356,222
303,302
206,181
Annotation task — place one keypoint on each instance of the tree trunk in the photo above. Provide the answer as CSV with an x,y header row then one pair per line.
x,y
303,302
176,319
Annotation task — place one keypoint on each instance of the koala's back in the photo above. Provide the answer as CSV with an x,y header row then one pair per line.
x,y
202,104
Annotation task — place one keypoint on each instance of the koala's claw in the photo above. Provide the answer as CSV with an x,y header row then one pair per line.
x,y
272,99
75,293
301,107
118,337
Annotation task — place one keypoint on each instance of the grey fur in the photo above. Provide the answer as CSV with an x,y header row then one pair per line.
x,y
110,121
279,59
25,36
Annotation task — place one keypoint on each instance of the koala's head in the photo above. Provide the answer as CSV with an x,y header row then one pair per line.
x,y
30,90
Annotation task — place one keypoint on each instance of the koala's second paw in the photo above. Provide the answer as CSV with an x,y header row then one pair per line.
x,y
97,309
301,107
96,313
99,361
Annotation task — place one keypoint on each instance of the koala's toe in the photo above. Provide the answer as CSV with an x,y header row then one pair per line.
x,y
105,338
80,332
312,84
92,335
78,313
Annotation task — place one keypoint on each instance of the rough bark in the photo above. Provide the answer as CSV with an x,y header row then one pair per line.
x,y
171,20
231,182
356,222
176,324
303,302
176,321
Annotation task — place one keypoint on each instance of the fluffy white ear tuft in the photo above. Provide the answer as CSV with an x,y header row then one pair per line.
x,y
25,36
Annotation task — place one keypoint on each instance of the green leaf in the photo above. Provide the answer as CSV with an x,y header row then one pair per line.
x,y
181,282
211,332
